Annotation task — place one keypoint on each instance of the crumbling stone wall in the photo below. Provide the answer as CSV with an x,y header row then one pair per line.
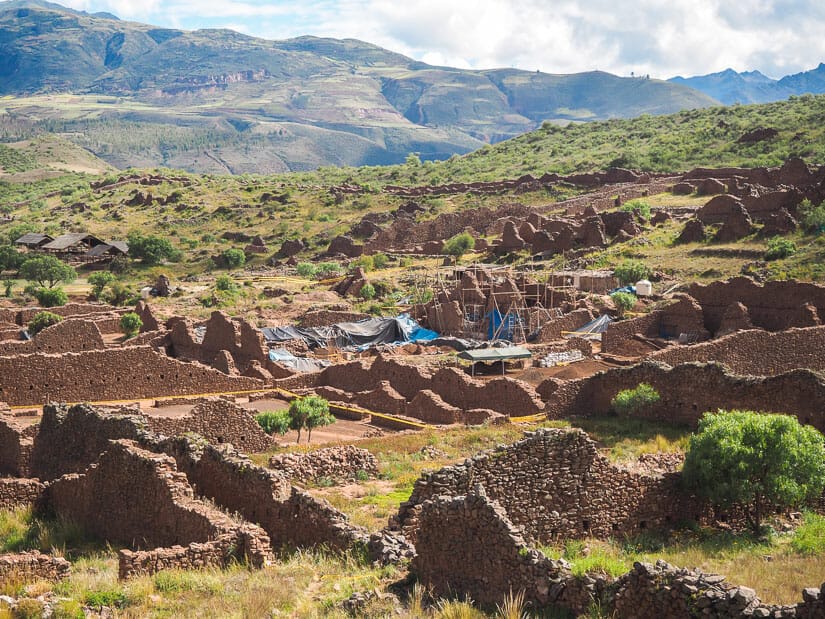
x,y
73,335
112,374
555,485
342,463
756,352
90,311
16,492
555,329
16,442
689,390
26,567
219,421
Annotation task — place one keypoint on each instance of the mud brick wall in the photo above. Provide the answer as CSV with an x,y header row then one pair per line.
x,y
555,329
756,352
335,463
32,566
240,339
16,442
113,374
23,317
555,485
773,306
72,335
689,390
17,492
219,421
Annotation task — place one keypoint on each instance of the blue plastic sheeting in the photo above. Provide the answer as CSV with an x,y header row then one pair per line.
x,y
630,289
358,335
502,327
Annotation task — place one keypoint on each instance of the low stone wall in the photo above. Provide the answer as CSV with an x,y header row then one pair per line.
x,y
32,566
22,317
219,421
16,492
71,335
555,485
113,374
755,352
339,464
689,390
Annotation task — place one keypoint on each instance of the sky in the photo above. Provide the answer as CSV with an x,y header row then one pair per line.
x,y
662,38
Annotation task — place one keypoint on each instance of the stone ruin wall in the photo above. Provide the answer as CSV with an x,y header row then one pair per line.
x,y
28,567
91,311
16,442
341,463
554,485
71,335
468,547
112,374
689,390
756,353
18,492
219,421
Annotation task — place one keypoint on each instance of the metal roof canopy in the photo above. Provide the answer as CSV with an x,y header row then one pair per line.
x,y
495,354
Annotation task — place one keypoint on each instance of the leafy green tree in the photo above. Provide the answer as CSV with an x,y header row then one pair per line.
x,y
625,301
47,271
151,249
118,294
10,258
812,217
308,413
631,271
41,320
631,401
755,460
367,292
233,257
99,280
50,297
273,421
459,245
130,324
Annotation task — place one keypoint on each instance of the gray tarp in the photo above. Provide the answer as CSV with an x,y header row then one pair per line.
x,y
495,354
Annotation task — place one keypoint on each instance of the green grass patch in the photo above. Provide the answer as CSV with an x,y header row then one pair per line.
x,y
809,537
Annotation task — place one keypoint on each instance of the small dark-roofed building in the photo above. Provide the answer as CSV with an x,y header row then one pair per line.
x,y
33,240
74,243
108,250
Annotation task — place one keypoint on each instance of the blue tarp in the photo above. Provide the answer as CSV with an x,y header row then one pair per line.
x,y
502,327
630,289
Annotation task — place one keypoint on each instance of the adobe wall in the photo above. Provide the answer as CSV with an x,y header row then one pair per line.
x,y
112,374
27,567
555,485
16,492
16,442
755,352
22,317
618,333
219,421
773,306
555,329
689,390
71,335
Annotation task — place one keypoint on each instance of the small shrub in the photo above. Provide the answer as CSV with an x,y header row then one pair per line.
x,y
779,248
233,258
640,206
380,260
68,609
99,280
625,301
809,537
459,245
328,269
631,271
367,292
365,262
51,297
273,421
119,294
28,608
226,284
130,324
306,269
42,320
812,217
114,598
631,401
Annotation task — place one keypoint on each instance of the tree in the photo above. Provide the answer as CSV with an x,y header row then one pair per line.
x,y
631,271
10,258
151,249
625,301
308,413
130,324
119,294
99,280
273,421
233,258
459,245
47,271
756,461
50,297
41,320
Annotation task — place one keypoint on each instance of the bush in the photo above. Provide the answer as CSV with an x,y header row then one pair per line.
x,y
41,320
625,301
328,269
367,292
99,280
812,217
809,537
233,258
10,258
756,461
151,249
380,260
631,401
130,324
631,271
226,284
365,262
306,269
47,271
51,297
641,206
119,294
459,245
273,421
779,248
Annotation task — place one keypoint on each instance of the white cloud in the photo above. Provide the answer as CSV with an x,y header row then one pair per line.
x,y
659,37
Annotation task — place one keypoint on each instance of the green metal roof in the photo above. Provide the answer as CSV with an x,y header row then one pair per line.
x,y
495,354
